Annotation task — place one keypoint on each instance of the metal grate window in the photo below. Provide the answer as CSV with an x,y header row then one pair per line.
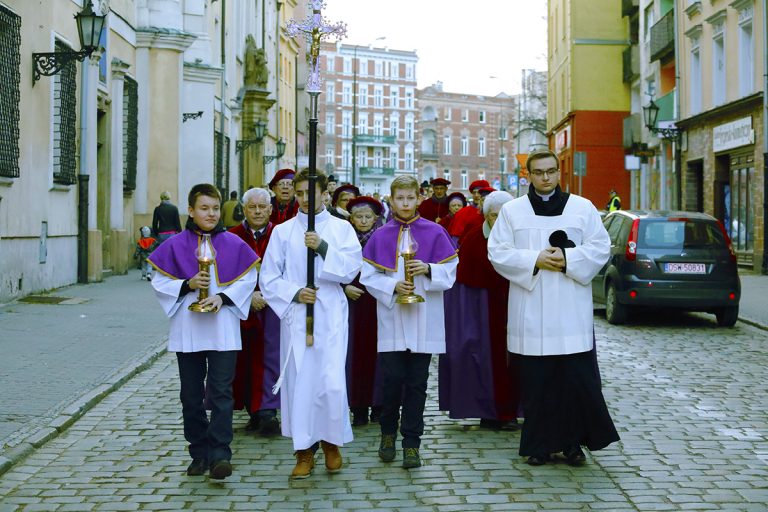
x,y
221,176
130,129
64,121
10,42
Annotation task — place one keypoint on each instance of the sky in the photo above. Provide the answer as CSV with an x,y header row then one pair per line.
x,y
460,43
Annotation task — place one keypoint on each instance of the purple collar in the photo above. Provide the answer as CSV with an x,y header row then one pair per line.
x,y
435,245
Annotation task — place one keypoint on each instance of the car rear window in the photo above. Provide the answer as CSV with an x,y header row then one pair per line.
x,y
664,233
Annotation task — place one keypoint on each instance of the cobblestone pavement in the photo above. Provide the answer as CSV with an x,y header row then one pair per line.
x,y
689,401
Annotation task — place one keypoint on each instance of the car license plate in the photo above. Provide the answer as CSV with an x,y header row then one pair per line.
x,y
685,268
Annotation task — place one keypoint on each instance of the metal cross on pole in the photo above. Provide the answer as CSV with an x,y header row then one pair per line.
x,y
314,28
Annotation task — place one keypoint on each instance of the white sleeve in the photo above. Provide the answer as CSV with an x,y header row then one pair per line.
x,y
278,291
515,265
443,275
167,292
379,284
585,261
240,293
343,259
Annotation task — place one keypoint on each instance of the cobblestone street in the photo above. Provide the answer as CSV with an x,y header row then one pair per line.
x,y
689,401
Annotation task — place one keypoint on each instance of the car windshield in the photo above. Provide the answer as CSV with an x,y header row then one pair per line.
x,y
668,234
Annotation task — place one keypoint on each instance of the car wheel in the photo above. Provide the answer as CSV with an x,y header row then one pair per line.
x,y
727,316
615,313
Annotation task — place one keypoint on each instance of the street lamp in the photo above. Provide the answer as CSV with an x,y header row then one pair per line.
x,y
280,152
259,132
650,115
89,27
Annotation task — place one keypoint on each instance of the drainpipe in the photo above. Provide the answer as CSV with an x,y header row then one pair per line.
x,y
277,76
223,91
678,154
765,135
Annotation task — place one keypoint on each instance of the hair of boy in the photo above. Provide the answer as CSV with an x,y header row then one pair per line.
x,y
538,155
404,182
321,179
203,189
256,194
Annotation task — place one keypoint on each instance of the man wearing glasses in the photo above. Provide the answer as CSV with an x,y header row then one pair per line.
x,y
284,205
550,244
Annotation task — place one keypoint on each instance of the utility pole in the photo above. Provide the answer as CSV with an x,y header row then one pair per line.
x,y
354,116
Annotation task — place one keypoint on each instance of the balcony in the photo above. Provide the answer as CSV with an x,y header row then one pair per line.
x,y
377,172
629,7
631,63
428,155
373,140
632,130
663,37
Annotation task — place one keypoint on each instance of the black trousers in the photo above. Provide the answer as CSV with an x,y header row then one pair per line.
x,y
207,440
405,376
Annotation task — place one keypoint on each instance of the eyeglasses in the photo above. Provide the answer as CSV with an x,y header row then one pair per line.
x,y
258,207
549,172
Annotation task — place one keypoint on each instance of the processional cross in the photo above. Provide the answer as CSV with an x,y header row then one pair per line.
x,y
314,28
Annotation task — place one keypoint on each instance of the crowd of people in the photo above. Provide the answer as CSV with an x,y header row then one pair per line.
x,y
498,287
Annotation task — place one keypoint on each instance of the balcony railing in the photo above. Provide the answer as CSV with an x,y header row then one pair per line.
x,y
629,7
377,172
631,63
375,139
663,37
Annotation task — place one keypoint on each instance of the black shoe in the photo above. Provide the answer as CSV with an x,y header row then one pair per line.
x,y
387,448
253,424
197,467
270,426
220,469
538,460
411,458
375,413
491,424
574,455
359,416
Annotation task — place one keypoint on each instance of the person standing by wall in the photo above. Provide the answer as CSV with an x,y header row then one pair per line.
x,y
165,219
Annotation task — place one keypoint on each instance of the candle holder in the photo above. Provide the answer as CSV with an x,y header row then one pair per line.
x,y
205,255
407,249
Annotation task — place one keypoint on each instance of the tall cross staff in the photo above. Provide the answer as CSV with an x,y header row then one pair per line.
x,y
314,28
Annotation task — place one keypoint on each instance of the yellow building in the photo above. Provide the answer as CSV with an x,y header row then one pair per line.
x,y
586,100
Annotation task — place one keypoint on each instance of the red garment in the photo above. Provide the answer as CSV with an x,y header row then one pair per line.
x,y
475,270
447,221
432,209
464,220
249,368
362,353
146,243
288,212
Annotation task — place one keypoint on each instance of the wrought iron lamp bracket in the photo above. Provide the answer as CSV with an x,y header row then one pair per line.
x,y
191,115
668,133
50,63
242,145
269,158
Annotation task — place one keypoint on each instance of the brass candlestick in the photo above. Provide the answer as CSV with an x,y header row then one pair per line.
x,y
205,257
408,247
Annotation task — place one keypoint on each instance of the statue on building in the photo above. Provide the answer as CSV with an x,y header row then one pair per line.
x,y
256,72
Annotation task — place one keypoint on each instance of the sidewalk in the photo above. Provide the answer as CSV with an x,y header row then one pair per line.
x,y
753,307
59,360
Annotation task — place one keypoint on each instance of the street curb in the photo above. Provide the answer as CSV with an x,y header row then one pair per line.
x,y
753,323
78,407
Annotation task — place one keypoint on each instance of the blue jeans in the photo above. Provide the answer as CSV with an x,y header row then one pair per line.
x,y
405,376
207,440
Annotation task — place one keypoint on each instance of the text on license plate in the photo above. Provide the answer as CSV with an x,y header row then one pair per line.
x,y
685,268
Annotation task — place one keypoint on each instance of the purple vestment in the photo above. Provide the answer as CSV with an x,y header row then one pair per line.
x,y
435,245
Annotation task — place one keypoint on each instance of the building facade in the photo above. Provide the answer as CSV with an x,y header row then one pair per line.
x,y
467,137
722,115
165,102
585,106
367,115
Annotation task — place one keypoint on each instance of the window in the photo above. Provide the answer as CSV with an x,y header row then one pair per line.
x,y
330,123
362,67
347,66
718,70
362,95
329,63
695,81
409,99
10,77
465,115
221,174
447,174
409,71
329,151
346,94
408,159
395,70
740,217
377,157
346,124
464,146
649,18
64,117
409,129
362,124
503,163
378,96
394,97
481,116
447,113
130,132
464,179
746,58
378,125
330,92
503,133
446,144
346,156
394,125
481,146
379,68
362,157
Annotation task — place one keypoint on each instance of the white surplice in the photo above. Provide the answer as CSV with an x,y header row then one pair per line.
x,y
419,327
550,313
313,396
195,332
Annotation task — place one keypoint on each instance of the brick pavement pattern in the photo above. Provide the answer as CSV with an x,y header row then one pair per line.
x,y
689,401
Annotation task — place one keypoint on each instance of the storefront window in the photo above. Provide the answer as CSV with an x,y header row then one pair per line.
x,y
740,215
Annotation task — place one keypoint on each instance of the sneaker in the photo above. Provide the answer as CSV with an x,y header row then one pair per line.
x,y
574,455
305,463
387,448
269,426
197,467
411,458
333,460
220,469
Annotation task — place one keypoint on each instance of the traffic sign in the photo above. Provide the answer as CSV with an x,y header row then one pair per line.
x,y
580,163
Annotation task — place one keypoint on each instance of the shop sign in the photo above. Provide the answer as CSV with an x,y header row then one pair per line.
x,y
733,135
562,139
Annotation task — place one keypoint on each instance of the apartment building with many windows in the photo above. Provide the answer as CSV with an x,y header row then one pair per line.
x,y
367,115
